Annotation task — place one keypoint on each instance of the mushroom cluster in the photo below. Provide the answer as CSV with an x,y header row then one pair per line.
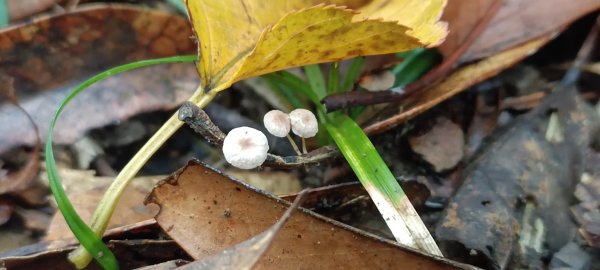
x,y
247,148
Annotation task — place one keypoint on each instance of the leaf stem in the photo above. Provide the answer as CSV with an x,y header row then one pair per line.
x,y
80,257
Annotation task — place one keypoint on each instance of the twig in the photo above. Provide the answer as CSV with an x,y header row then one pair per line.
x,y
200,122
356,98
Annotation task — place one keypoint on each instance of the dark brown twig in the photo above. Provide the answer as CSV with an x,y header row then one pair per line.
x,y
356,98
200,122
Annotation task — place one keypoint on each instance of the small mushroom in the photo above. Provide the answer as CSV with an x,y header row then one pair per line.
x,y
245,147
304,123
378,82
277,123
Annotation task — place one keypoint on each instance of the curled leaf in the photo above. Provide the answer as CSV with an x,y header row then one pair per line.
x,y
243,39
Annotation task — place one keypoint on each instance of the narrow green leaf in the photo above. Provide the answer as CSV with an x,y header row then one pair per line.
x,y
316,81
416,63
4,16
352,73
283,90
333,79
92,242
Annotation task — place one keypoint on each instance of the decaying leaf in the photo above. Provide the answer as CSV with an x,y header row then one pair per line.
x,y
49,56
441,146
242,39
21,179
130,254
455,83
206,212
85,190
517,22
513,207
243,256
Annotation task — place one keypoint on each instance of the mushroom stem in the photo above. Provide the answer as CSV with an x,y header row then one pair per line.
x,y
304,146
294,145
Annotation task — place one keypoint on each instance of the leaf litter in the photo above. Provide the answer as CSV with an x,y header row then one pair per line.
x,y
77,45
206,212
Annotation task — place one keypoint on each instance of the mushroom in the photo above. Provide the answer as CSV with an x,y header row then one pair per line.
x,y
304,124
245,147
378,82
277,123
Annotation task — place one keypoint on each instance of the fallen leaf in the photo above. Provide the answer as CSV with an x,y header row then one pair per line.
x,y
130,254
206,212
513,206
517,22
243,39
6,210
23,177
243,256
49,56
455,83
18,9
275,182
441,146
85,190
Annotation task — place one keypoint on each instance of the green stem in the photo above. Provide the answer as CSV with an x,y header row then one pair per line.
x,y
82,232
80,256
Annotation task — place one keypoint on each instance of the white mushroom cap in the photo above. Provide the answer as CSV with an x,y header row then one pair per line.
x,y
245,147
277,123
378,82
304,123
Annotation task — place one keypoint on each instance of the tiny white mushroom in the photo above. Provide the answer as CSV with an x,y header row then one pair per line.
x,y
245,147
304,123
277,123
378,82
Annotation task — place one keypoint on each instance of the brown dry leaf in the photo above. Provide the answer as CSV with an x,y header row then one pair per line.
x,y
275,182
18,9
48,57
85,190
455,83
131,254
243,256
206,212
441,146
6,210
513,206
21,179
517,22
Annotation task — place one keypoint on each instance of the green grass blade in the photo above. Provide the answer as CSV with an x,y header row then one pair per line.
x,y
4,16
80,229
284,91
373,173
333,79
416,63
352,73
316,81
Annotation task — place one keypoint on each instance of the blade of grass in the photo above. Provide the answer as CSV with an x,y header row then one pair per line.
x,y
395,208
284,91
4,16
352,73
416,63
397,211
333,79
88,239
316,81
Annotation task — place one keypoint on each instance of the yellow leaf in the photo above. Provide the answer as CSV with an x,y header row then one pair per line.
x,y
239,39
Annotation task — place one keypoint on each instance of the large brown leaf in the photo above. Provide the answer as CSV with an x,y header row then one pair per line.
x,y
50,55
206,212
517,21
